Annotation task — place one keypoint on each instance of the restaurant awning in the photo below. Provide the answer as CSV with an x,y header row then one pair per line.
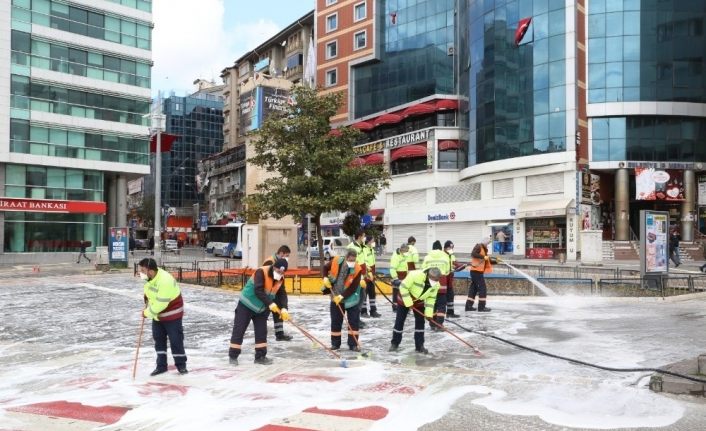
x,y
363,126
543,208
375,159
387,119
419,109
376,213
334,132
449,144
410,151
358,161
446,104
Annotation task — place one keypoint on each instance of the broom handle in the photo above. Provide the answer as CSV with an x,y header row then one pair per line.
x,y
345,316
312,338
137,350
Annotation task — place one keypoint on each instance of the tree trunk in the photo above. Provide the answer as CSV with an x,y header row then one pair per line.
x,y
319,242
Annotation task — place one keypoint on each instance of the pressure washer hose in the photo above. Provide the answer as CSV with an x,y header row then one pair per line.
x,y
564,358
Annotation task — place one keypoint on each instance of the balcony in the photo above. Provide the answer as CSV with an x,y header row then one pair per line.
x,y
294,72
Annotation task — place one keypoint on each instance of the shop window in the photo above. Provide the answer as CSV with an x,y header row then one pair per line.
x,y
404,166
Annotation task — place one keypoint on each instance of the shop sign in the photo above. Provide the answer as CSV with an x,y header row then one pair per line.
x,y
659,185
590,188
702,189
394,142
432,218
52,206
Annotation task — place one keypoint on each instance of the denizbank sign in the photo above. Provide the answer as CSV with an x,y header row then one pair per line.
x,y
395,141
436,217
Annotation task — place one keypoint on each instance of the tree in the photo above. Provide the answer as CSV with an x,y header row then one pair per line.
x,y
313,164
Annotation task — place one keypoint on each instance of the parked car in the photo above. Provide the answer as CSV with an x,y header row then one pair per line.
x,y
333,246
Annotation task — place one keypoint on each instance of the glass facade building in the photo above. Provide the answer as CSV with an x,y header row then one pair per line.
x,y
415,41
516,94
72,128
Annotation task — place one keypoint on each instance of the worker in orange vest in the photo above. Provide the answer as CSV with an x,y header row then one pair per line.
x,y
481,264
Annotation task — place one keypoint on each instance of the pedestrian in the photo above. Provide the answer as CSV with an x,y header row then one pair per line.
x,y
383,243
453,267
82,251
131,245
674,238
256,302
398,272
418,291
164,305
437,258
501,237
481,264
368,294
342,277
150,245
413,255
283,252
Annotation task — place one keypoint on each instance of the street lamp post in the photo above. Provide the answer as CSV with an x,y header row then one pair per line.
x,y
157,127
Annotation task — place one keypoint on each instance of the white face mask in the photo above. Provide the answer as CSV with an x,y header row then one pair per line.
x,y
350,264
276,275
144,276
449,250
434,283
372,244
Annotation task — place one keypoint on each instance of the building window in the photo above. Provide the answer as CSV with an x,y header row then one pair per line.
x,y
359,40
330,2
359,11
331,77
332,22
331,50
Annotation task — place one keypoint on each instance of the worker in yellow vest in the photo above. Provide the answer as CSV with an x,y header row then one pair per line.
x,y
455,266
437,258
398,271
413,255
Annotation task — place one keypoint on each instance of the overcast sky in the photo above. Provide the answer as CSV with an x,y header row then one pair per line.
x,y
199,38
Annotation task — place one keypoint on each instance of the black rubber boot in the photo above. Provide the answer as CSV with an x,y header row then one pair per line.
x,y
158,371
281,336
263,360
469,305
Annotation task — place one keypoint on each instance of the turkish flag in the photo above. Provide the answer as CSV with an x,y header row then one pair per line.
x,y
165,144
522,28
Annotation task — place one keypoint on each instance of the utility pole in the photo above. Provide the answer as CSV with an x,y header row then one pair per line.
x,y
157,118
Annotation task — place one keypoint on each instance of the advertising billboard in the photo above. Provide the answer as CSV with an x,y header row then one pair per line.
x,y
659,184
118,245
654,242
258,104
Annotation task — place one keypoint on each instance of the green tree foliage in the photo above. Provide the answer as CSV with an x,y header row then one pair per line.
x,y
351,224
312,166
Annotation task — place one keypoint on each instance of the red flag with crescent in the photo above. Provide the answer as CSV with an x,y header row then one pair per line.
x,y
522,28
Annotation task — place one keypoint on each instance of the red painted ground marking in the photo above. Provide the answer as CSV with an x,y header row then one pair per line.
x,y
373,413
393,388
257,397
161,388
296,378
281,428
63,409
91,382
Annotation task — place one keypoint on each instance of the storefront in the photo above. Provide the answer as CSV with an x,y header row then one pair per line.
x,y
545,238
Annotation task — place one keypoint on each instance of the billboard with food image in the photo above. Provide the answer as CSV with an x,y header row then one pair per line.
x,y
659,184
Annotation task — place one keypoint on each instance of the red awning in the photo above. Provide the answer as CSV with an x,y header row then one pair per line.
x,y
363,125
446,104
387,119
358,161
374,159
419,109
165,142
449,144
410,151
180,221
376,213
334,132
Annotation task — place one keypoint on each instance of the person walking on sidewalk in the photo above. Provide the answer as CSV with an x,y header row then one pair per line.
x,y
282,253
382,242
342,277
256,302
480,265
674,238
164,305
398,272
82,251
418,291
501,237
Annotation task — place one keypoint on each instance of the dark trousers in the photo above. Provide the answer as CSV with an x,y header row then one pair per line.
x,y
337,320
241,321
368,296
82,255
277,322
172,329
477,288
418,326
395,298
450,297
439,309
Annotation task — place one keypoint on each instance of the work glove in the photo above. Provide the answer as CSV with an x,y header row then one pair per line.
x,y
274,308
494,260
396,283
487,257
325,291
327,282
284,314
337,299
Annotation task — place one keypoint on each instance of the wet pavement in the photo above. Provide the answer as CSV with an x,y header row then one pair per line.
x,y
67,345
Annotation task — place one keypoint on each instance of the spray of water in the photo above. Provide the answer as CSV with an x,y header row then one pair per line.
x,y
547,291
